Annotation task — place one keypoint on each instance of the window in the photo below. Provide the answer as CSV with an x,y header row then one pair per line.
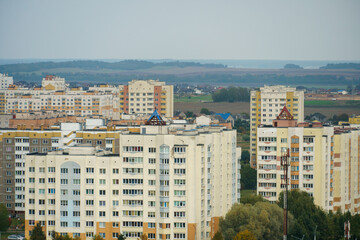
x,y
179,160
89,170
179,149
152,160
179,192
152,150
89,181
102,171
89,191
115,171
102,192
89,223
63,170
89,202
132,148
51,169
76,170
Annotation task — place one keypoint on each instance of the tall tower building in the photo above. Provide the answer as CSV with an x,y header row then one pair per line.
x,y
266,104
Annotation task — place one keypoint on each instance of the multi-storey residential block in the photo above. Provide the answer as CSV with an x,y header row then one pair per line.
x,y
266,104
5,81
141,96
51,82
324,161
347,169
169,182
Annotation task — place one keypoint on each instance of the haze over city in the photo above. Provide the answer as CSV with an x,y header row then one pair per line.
x,y
270,30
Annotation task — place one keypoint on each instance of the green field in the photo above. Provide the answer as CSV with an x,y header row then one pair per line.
x,y
329,103
193,98
320,103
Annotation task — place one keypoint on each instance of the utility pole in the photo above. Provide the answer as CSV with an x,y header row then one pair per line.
x,y
285,165
315,232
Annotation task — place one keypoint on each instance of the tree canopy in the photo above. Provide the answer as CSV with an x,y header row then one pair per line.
x,y
263,219
231,94
245,235
4,218
248,177
37,233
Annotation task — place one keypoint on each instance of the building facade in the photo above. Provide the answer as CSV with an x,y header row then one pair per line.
x,y
143,97
5,81
347,169
324,161
139,97
266,104
169,182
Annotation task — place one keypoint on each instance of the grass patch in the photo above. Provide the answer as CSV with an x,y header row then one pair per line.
x,y
334,104
193,98
320,103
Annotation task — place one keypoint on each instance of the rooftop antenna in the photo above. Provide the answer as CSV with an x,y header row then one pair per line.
x,y
285,165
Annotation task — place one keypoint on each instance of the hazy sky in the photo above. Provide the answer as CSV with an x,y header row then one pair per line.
x,y
181,29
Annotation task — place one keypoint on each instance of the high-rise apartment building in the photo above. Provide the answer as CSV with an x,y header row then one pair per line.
x,y
141,96
324,162
266,104
347,169
5,81
169,182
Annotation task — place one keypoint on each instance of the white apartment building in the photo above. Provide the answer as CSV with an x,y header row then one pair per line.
x,y
266,104
311,162
5,81
139,97
51,82
144,96
169,182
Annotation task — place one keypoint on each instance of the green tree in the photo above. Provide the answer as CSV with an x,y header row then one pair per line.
x,y
143,237
307,216
121,237
97,237
245,157
245,235
37,233
205,111
248,177
218,236
4,218
189,114
252,199
57,236
263,219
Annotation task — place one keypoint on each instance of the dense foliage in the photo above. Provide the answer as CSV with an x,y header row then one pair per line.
x,y
336,119
292,66
307,216
342,66
263,219
248,177
37,233
4,218
232,94
245,235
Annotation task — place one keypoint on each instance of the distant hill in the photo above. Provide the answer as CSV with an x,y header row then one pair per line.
x,y
96,65
342,66
292,66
